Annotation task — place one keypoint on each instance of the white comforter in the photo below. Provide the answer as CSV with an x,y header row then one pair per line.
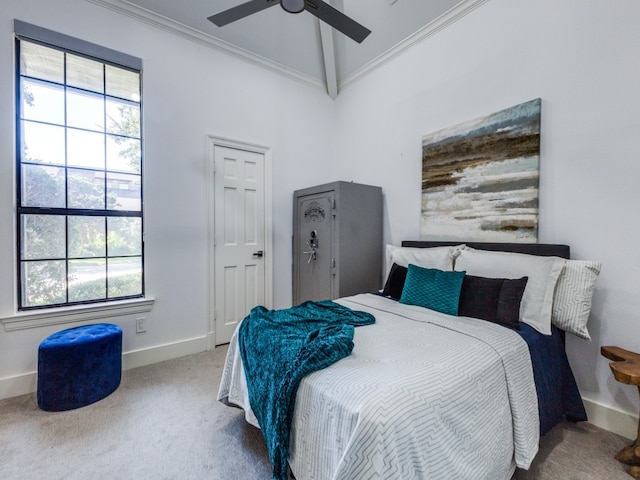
x,y
423,395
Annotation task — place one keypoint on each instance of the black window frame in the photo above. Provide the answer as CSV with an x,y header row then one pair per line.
x,y
48,38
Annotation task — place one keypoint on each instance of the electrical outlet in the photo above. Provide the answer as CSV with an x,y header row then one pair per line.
x,y
141,324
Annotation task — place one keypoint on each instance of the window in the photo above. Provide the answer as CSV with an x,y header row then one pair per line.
x,y
79,171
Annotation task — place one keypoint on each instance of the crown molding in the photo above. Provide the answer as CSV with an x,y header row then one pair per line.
x,y
450,16
151,18
142,14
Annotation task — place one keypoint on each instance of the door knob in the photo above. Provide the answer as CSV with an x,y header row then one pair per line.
x,y
258,254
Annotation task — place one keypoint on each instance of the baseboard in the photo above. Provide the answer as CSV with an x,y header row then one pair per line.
x,y
623,423
161,353
17,385
27,382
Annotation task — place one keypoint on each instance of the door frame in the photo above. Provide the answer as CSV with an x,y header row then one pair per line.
x,y
212,142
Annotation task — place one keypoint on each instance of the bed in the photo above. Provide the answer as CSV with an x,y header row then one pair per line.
x,y
426,394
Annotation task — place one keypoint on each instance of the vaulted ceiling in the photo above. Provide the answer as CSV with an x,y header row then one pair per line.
x,y
299,44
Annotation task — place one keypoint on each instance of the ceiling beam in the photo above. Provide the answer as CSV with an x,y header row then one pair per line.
x,y
329,57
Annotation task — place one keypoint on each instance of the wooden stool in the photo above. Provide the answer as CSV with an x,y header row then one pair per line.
x,y
626,369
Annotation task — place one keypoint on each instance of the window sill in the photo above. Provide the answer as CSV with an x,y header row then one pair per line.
x,y
25,320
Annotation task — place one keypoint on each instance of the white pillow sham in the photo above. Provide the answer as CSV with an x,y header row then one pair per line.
x,y
542,273
572,299
433,257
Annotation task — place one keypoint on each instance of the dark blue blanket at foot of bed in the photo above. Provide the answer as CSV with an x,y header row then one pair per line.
x,y
278,348
558,395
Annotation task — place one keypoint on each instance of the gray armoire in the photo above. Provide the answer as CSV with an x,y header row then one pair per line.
x,y
337,241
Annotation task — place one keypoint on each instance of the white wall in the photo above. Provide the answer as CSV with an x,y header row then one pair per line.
x,y
190,90
582,59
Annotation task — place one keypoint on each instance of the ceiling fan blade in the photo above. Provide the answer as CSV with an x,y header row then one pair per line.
x,y
337,20
241,11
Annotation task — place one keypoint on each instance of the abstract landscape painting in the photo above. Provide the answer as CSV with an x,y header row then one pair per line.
x,y
480,178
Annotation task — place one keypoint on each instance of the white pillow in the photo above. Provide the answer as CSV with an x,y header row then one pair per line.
x,y
433,257
572,299
542,273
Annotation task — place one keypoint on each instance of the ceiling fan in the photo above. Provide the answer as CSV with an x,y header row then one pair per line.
x,y
320,9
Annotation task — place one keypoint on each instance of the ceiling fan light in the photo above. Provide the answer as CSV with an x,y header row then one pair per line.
x,y
292,6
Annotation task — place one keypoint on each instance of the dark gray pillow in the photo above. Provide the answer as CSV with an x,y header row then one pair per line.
x,y
496,300
395,282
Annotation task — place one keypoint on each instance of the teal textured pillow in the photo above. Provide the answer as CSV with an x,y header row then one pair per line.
x,y
437,290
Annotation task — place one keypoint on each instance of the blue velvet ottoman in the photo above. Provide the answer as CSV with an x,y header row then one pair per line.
x,y
79,366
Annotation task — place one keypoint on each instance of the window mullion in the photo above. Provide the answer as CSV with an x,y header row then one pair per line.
x,y
66,256
66,180
18,101
104,113
105,183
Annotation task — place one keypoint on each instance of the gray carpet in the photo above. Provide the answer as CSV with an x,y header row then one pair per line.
x,y
163,422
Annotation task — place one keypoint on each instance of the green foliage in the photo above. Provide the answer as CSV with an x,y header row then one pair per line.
x,y
27,95
45,284
42,186
125,285
119,286
128,126
125,236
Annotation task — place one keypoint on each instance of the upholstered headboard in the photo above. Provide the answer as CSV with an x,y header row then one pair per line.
x,y
543,249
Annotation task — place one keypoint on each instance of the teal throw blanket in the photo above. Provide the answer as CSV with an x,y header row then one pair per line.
x,y
280,347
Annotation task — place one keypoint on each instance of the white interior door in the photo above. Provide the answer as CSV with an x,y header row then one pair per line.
x,y
239,237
